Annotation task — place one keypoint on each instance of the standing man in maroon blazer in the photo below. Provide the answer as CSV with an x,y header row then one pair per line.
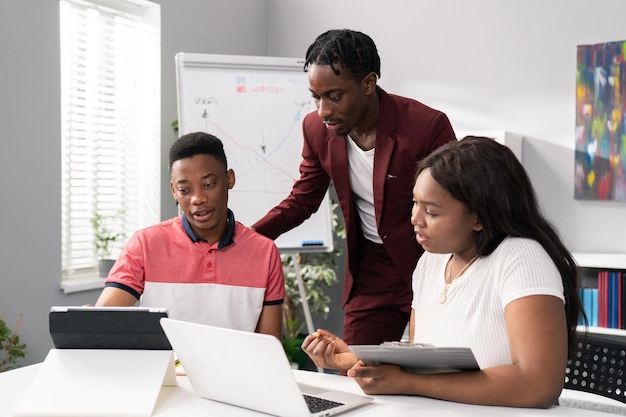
x,y
367,142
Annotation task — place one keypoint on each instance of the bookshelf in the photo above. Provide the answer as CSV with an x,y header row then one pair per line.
x,y
590,264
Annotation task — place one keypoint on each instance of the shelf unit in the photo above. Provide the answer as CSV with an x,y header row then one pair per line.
x,y
590,263
600,260
512,140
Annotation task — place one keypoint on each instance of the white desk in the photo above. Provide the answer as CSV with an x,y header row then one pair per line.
x,y
182,401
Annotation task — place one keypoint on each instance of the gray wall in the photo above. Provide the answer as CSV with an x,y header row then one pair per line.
x,y
489,64
30,156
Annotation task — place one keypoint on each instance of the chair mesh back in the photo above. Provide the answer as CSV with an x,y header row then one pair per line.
x,y
598,367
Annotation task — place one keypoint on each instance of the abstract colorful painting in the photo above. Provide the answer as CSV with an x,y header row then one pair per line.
x,y
600,122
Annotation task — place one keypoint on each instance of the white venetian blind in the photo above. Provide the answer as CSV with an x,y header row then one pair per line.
x,y
110,105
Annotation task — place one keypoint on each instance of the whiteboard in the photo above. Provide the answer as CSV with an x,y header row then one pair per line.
x,y
255,105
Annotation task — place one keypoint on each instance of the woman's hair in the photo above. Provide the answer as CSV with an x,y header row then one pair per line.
x,y
491,182
197,143
354,51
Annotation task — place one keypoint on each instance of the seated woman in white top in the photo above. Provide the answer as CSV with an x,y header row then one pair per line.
x,y
495,277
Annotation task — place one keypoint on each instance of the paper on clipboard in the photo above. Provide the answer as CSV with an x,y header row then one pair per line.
x,y
416,357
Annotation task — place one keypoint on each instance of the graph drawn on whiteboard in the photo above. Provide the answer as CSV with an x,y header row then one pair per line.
x,y
255,105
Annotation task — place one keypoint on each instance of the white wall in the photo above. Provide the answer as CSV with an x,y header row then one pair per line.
x,y
490,65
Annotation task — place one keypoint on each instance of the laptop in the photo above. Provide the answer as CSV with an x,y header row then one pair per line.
x,y
249,370
80,327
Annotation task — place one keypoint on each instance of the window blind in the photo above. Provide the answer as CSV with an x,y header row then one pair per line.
x,y
110,111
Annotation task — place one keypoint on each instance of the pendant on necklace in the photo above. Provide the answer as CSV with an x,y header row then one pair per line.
x,y
444,294
442,298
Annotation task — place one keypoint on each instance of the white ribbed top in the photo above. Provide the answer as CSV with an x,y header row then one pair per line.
x,y
473,314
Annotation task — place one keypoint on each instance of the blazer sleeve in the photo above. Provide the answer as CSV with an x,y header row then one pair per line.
x,y
441,132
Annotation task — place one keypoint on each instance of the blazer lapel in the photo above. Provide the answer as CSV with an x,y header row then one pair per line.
x,y
382,159
385,144
338,156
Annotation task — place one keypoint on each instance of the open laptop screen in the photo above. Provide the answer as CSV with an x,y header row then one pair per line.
x,y
108,328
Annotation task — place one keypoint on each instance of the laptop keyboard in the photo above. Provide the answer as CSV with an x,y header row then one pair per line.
x,y
317,404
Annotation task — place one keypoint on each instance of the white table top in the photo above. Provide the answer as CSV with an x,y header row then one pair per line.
x,y
182,401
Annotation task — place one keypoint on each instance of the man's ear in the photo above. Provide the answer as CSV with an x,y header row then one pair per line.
x,y
369,83
230,174
172,190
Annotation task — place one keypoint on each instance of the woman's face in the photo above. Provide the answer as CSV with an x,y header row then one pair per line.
x,y
441,223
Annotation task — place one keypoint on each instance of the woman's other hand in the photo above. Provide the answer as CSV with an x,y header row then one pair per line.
x,y
328,351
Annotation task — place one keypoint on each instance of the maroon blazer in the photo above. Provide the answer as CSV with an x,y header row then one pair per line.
x,y
407,131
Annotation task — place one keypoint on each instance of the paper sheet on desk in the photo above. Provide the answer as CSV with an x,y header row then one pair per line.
x,y
94,382
422,358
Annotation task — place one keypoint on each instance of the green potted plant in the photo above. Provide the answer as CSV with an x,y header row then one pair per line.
x,y
107,237
10,347
318,271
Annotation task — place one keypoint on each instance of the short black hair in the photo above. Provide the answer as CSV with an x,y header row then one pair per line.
x,y
354,51
197,143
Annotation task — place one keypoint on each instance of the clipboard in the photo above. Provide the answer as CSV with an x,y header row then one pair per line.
x,y
418,357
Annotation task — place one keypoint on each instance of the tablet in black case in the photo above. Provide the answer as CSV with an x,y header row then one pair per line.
x,y
108,328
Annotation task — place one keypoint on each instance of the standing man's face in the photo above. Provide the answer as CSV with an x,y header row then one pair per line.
x,y
200,184
341,100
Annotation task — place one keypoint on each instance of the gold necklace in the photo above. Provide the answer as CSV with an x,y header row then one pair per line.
x,y
444,295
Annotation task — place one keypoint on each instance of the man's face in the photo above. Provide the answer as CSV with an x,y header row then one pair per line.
x,y
200,184
341,100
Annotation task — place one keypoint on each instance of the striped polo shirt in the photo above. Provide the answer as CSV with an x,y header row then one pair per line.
x,y
224,284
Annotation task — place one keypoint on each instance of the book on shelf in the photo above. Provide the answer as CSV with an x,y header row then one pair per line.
x,y
605,304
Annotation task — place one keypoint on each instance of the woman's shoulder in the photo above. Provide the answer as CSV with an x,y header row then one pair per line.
x,y
520,247
518,243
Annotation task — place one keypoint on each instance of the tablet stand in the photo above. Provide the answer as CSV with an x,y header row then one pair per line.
x,y
98,382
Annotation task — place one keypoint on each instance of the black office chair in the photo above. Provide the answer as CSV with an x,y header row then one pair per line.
x,y
598,366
